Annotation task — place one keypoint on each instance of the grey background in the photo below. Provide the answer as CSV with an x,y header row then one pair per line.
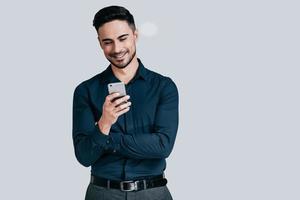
x,y
236,65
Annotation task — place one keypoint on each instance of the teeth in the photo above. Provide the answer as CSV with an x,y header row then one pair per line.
x,y
120,56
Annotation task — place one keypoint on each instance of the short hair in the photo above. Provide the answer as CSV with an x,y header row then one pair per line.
x,y
111,13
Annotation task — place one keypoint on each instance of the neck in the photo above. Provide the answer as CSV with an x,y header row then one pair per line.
x,y
127,73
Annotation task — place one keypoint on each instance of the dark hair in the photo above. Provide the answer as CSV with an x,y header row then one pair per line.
x,y
111,13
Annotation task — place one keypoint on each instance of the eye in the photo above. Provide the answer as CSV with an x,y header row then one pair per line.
x,y
122,39
107,42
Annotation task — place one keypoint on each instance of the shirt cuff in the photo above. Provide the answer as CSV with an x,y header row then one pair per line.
x,y
116,138
101,139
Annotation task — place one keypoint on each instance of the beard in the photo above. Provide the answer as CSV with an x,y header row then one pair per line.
x,y
121,66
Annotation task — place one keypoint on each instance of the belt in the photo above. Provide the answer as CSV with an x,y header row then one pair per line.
x,y
132,185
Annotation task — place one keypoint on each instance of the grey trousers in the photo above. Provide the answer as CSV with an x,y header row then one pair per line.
x,y
95,192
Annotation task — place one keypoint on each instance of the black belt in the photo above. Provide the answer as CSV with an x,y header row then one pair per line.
x,y
128,186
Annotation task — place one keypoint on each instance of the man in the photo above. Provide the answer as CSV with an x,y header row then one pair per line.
x,y
125,139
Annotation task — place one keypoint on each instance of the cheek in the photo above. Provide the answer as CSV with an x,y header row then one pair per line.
x,y
106,50
131,44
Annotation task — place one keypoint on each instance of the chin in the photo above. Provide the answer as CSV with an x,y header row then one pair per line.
x,y
120,65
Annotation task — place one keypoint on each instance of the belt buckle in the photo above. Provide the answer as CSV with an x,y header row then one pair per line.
x,y
132,184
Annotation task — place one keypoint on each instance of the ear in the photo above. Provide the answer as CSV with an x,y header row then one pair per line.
x,y
136,34
100,42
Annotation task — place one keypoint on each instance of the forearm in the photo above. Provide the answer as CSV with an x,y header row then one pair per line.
x,y
159,142
144,145
90,146
89,142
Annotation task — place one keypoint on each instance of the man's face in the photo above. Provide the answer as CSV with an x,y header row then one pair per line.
x,y
117,40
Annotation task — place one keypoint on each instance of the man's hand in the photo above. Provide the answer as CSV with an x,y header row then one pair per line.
x,y
111,110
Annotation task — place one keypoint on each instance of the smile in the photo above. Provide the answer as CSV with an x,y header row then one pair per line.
x,y
120,56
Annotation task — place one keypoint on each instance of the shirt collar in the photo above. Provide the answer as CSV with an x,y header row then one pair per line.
x,y
109,77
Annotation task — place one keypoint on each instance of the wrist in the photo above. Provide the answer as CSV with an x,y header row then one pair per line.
x,y
104,126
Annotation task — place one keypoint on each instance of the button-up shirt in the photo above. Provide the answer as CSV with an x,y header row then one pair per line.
x,y
140,140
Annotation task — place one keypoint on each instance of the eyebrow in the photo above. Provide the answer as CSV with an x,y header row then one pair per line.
x,y
108,39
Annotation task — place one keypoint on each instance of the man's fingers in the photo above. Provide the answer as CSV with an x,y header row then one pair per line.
x,y
122,111
110,97
122,106
121,100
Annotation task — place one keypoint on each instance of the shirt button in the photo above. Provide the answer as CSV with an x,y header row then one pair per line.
x,y
114,151
107,142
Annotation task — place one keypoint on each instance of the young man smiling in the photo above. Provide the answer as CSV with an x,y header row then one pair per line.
x,y
125,140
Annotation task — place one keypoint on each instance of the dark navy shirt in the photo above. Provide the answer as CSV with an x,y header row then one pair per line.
x,y
141,139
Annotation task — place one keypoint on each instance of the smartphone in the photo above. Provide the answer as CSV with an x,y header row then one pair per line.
x,y
118,87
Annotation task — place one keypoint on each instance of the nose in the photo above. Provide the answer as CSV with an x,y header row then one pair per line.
x,y
117,47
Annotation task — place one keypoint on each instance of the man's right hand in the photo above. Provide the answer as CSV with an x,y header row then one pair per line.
x,y
111,110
